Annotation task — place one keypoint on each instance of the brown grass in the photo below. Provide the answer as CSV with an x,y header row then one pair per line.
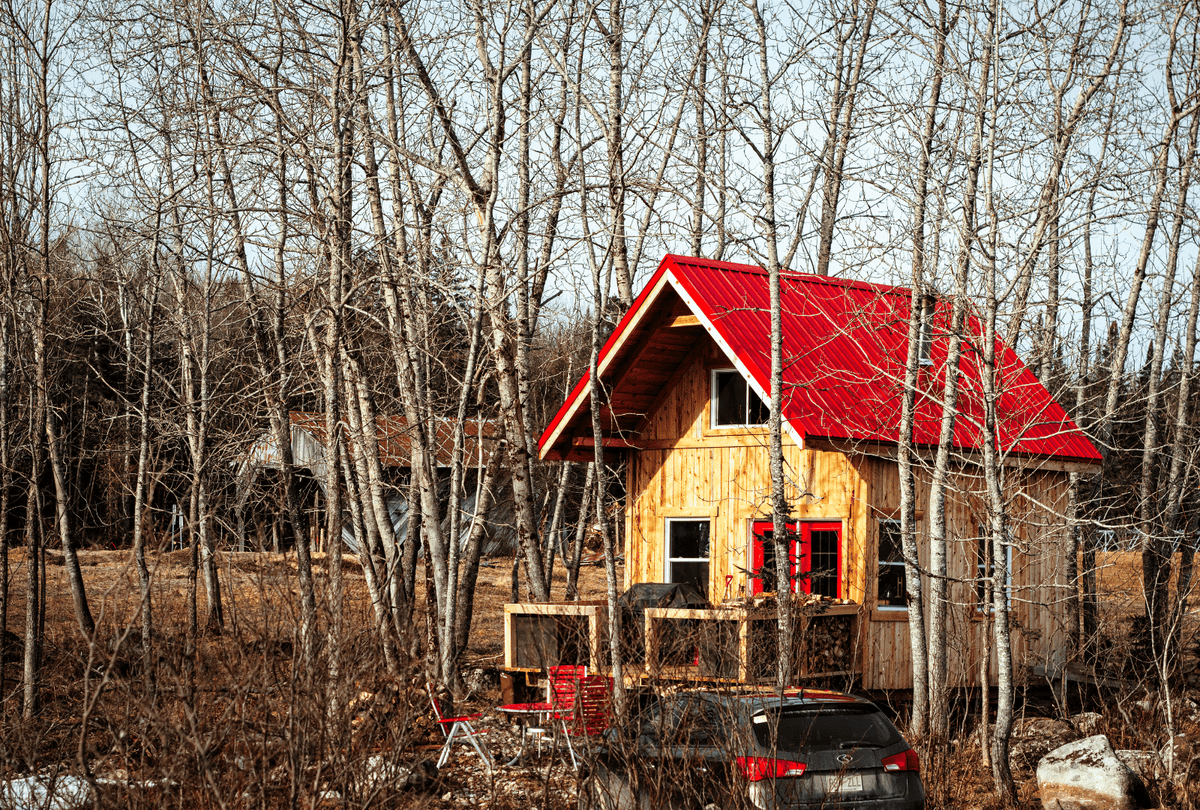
x,y
248,700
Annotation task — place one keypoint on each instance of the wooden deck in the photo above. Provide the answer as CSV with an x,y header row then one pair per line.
x,y
733,643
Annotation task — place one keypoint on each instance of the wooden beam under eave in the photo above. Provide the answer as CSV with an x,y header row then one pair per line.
x,y
681,321
630,357
608,442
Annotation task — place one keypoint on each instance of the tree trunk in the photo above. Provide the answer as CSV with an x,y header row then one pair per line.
x,y
5,483
610,554
1157,545
993,463
939,599
1160,175
843,101
32,660
585,503
919,721
466,591
1177,478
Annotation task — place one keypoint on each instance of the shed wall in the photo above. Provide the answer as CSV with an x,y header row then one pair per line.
x,y
1037,524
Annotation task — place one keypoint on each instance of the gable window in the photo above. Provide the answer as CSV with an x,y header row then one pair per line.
x,y
687,552
814,552
734,403
892,592
985,563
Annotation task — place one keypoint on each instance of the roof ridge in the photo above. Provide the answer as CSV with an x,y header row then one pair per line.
x,y
811,278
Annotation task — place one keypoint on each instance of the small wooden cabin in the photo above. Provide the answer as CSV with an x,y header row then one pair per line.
x,y
687,375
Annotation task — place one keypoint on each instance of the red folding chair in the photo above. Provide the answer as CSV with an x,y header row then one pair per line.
x,y
582,704
458,729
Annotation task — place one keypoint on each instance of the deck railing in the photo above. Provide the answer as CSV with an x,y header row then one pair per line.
x,y
734,643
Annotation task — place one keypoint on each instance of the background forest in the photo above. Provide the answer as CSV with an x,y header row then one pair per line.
x,y
215,214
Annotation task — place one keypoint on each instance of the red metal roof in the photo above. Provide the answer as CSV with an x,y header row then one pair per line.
x,y
845,344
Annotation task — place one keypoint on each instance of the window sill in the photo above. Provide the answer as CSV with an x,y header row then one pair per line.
x,y
879,614
743,429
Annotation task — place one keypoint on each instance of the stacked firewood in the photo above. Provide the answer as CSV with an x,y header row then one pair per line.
x,y
827,644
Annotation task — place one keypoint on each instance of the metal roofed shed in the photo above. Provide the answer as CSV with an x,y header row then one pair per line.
x,y
395,443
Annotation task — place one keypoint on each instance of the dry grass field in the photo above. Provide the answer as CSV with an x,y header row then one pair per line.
x,y
234,740
260,595
253,732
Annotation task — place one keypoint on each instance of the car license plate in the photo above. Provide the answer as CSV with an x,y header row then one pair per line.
x,y
850,783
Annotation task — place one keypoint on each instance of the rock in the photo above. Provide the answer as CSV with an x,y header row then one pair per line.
x,y
481,680
419,776
380,774
1087,775
1176,755
46,792
1043,728
1087,723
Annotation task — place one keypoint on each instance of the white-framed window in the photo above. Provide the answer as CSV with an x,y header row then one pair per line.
x,y
733,402
687,551
891,591
985,565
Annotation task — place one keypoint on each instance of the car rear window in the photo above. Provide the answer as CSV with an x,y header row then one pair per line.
x,y
822,727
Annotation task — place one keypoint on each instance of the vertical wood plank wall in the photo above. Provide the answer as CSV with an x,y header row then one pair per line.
x,y
693,471
1037,524
723,475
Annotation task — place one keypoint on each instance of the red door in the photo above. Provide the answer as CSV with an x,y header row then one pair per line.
x,y
763,574
815,555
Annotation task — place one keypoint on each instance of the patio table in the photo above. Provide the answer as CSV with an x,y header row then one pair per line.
x,y
523,712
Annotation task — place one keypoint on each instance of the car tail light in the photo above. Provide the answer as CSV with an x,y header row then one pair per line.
x,y
904,761
758,768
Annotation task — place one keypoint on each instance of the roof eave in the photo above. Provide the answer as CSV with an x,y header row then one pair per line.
x,y
582,390
1070,464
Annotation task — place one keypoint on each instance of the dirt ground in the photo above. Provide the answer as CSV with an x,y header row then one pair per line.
x,y
261,598
251,581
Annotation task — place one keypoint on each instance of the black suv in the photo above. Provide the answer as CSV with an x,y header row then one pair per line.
x,y
811,748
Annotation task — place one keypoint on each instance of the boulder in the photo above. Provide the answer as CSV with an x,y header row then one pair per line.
x,y
1087,723
1087,775
379,773
480,680
1145,764
1177,755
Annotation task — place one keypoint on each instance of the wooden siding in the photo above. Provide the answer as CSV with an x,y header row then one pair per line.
x,y
690,470
1037,524
722,475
